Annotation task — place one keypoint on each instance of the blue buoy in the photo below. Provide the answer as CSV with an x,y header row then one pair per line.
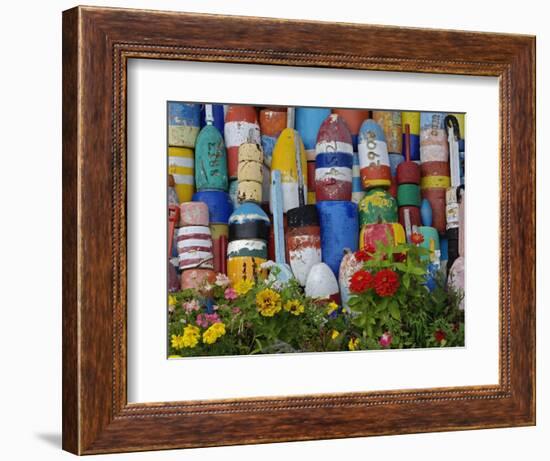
x,y
426,213
219,205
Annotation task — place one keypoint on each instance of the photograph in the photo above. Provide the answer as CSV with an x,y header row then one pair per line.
x,y
313,229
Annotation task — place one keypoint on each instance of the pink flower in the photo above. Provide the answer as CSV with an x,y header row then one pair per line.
x,y
386,339
191,306
205,320
236,310
230,294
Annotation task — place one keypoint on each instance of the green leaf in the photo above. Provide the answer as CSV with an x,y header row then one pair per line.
x,y
394,311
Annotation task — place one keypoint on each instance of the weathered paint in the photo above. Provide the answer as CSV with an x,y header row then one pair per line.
x,y
333,175
373,156
353,118
334,136
250,173
395,161
181,166
357,191
241,126
433,137
385,233
247,247
308,121
303,240
194,278
339,223
414,216
233,188
413,120
214,114
195,247
245,268
377,206
431,241
349,266
408,173
427,182
391,123
272,121
284,160
321,283
183,124
210,160
437,198
219,205
220,233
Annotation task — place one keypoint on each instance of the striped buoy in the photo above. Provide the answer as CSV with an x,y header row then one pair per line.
x,y
250,173
308,120
349,266
333,176
284,160
385,233
433,137
241,126
377,206
357,191
210,160
272,121
321,283
413,120
247,248
181,164
194,240
435,174
213,113
339,223
408,195
334,136
373,156
220,208
303,239
390,121
183,124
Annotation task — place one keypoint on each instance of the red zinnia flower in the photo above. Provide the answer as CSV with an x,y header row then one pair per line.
x,y
417,238
361,281
399,257
366,253
440,335
386,282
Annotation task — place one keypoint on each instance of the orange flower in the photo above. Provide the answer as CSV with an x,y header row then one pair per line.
x,y
417,238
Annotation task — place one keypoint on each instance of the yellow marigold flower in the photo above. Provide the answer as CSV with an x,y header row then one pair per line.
x,y
215,331
353,344
172,301
335,334
331,307
191,335
268,302
174,356
294,307
242,287
177,342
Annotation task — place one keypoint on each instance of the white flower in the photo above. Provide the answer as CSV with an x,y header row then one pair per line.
x,y
267,265
222,280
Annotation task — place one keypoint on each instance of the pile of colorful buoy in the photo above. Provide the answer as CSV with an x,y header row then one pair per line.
x,y
306,187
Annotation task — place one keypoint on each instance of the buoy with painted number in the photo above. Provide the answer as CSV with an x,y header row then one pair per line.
x,y
373,156
210,160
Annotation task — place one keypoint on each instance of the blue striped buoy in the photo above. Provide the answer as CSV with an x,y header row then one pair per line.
x,y
333,176
357,191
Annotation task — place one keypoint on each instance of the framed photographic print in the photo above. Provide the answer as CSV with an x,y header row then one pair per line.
x,y
272,235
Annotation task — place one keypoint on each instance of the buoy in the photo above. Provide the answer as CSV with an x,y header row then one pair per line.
x,y
194,278
333,176
233,189
354,119
390,121
249,224
385,233
437,198
210,160
433,137
349,266
426,212
303,240
373,156
250,173
241,126
183,124
395,161
412,119
339,224
273,120
357,191
321,283
414,217
215,114
194,240
173,279
220,208
172,194
308,120
173,221
334,136
284,160
408,195
377,206
181,162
